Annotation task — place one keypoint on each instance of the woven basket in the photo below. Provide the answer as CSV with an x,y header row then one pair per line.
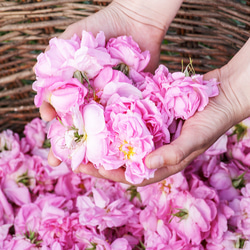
x,y
210,32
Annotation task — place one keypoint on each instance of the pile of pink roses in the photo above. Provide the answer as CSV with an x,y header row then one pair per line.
x,y
207,206
110,112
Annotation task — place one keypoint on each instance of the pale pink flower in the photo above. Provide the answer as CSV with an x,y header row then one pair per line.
x,y
120,243
55,61
130,142
153,120
179,95
191,217
35,133
55,226
81,137
186,95
230,240
160,194
68,185
126,51
6,210
9,146
228,180
153,88
4,231
239,142
246,190
88,237
102,211
244,222
92,56
149,219
19,242
27,220
220,225
241,218
219,147
46,176
110,82
62,95
21,180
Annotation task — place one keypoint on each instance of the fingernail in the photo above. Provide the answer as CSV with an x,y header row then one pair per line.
x,y
155,161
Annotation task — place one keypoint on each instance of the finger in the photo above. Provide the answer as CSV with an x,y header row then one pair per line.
x,y
52,160
47,112
117,175
175,152
165,172
89,169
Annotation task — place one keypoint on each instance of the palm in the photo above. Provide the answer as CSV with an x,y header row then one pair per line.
x,y
114,21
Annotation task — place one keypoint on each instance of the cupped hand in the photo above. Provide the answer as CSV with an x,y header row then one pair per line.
x,y
230,107
199,132
145,25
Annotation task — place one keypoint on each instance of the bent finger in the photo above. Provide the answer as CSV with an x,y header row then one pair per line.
x,y
52,160
47,112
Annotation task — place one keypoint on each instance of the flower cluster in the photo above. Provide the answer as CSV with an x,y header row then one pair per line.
x,y
204,207
110,112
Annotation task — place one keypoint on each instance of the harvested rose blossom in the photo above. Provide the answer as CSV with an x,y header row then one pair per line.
x,y
55,61
230,240
62,95
130,142
9,146
80,137
130,59
179,95
228,179
110,82
191,217
35,133
102,210
239,142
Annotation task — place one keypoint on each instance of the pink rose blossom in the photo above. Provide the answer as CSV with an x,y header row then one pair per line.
x,y
21,180
81,137
102,211
19,242
126,51
179,95
62,95
228,180
55,61
220,225
6,210
129,148
110,82
219,147
35,133
9,146
120,243
191,217
28,219
239,142
92,56
230,240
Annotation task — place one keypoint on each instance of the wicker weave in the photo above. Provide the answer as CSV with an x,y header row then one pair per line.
x,y
210,32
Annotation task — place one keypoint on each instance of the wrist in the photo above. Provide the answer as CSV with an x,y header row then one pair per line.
x,y
158,13
235,78
238,72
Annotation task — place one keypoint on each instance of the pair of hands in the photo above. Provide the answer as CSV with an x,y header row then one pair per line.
x,y
199,132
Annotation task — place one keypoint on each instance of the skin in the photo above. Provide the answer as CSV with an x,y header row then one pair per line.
x,y
147,23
